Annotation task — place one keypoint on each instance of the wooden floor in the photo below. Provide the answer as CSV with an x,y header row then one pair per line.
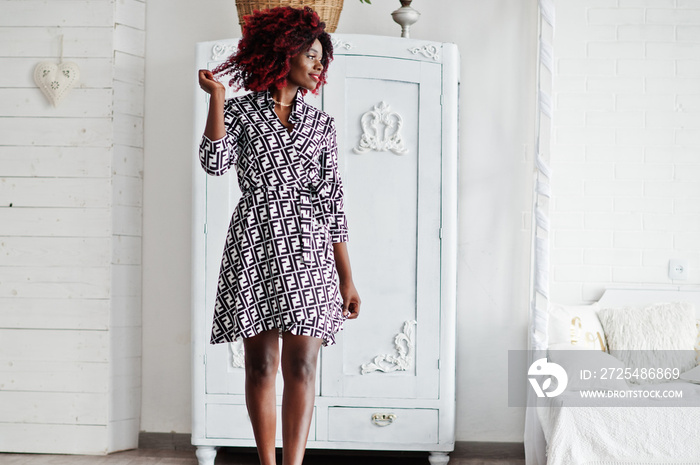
x,y
236,457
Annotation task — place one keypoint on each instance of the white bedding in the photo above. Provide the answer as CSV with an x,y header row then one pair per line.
x,y
615,435
623,435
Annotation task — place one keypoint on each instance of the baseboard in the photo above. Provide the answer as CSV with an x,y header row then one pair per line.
x,y
463,449
489,450
165,441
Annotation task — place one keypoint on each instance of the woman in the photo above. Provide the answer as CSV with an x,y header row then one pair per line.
x,y
285,270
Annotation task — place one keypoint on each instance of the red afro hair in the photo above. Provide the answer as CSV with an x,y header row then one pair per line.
x,y
270,39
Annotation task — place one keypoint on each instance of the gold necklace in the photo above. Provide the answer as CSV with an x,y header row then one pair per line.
x,y
281,104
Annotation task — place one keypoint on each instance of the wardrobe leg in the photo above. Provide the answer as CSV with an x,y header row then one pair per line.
x,y
439,458
207,454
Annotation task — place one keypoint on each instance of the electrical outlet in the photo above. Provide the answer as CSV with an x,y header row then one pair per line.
x,y
678,269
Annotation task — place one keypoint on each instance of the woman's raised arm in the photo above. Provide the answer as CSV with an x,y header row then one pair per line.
x,y
215,128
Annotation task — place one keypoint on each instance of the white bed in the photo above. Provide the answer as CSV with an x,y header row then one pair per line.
x,y
617,434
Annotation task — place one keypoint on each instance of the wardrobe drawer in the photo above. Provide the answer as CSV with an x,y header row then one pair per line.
x,y
228,421
375,425
231,421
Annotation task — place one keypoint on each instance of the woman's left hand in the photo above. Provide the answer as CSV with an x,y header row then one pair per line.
x,y
351,300
209,84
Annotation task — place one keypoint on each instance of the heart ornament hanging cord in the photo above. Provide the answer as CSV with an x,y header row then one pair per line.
x,y
55,80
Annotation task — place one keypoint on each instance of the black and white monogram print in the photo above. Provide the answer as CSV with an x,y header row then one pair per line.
x,y
278,269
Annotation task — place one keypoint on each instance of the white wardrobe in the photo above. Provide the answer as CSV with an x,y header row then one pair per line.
x,y
389,383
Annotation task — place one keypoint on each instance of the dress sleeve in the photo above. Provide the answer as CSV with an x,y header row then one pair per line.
x,y
337,221
217,156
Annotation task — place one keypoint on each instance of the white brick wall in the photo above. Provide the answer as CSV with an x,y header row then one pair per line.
x,y
626,145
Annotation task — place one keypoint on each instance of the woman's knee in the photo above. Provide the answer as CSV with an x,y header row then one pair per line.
x,y
261,368
262,357
299,369
299,356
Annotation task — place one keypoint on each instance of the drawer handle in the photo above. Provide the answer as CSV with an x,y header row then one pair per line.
x,y
383,419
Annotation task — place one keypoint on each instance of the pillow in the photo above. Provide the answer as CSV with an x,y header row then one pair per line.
x,y
590,369
654,337
692,375
575,327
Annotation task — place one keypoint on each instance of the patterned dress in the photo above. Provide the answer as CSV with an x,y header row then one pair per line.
x,y
278,269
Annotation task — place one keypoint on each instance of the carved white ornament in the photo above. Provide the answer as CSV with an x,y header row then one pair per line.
x,y
428,51
381,131
55,80
237,354
219,50
337,43
405,343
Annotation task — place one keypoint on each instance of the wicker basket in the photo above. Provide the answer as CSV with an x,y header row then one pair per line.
x,y
328,10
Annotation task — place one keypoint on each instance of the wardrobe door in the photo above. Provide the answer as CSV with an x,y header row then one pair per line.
x,y
388,115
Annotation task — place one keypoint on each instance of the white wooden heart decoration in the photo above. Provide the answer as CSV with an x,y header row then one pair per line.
x,y
55,80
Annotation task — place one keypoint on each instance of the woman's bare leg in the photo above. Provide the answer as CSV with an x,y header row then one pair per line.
x,y
299,356
261,363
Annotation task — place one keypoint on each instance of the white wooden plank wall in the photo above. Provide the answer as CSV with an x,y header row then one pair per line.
x,y
70,228
127,194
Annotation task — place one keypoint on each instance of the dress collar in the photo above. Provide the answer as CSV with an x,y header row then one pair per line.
x,y
295,115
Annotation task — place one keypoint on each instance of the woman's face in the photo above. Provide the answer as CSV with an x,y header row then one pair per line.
x,y
305,68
